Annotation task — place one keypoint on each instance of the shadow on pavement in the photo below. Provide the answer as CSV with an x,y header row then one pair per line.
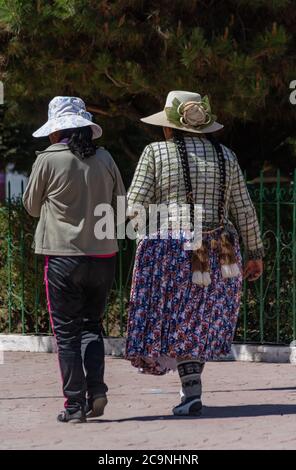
x,y
210,412
271,389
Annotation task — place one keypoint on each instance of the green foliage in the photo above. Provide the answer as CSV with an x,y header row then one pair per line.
x,y
278,278
22,290
124,56
19,267
21,279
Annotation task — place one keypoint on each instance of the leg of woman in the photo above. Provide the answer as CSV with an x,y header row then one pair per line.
x,y
65,300
190,375
98,283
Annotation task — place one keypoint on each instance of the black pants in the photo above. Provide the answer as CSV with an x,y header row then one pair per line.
x,y
77,289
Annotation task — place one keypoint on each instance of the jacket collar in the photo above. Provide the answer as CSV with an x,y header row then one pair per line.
x,y
53,148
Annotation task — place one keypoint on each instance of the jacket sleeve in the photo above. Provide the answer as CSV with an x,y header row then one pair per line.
x,y
244,214
142,188
34,194
119,188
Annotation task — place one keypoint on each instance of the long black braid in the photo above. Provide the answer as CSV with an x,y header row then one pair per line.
x,y
180,142
80,141
222,171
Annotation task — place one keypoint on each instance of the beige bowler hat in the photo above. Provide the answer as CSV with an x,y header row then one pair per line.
x,y
187,111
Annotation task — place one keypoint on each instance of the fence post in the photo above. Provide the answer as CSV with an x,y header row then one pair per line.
x,y
22,253
36,301
9,261
294,257
121,290
245,296
278,251
261,296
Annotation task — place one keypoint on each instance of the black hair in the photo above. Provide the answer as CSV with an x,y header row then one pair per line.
x,y
80,141
178,137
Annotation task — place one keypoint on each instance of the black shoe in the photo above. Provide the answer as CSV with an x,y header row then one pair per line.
x,y
189,407
75,418
95,406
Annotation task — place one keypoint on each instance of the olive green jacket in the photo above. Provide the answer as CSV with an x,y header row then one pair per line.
x,y
64,191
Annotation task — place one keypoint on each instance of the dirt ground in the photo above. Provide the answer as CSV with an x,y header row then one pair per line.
x,y
247,406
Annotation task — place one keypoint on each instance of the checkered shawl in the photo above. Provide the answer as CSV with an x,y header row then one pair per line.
x,y
158,179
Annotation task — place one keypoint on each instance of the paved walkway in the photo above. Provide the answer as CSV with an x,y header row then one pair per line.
x,y
247,406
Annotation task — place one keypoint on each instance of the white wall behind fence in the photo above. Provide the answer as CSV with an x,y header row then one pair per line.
x,y
15,179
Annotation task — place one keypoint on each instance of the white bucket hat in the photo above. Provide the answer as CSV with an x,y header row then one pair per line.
x,y
67,112
186,111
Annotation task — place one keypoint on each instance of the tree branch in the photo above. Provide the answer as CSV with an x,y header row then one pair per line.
x,y
96,110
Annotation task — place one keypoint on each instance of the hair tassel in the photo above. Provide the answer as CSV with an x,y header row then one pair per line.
x,y
228,262
201,266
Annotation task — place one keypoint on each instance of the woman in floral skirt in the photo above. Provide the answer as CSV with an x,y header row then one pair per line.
x,y
184,303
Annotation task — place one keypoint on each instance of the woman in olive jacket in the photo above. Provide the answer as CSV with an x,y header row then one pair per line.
x,y
68,183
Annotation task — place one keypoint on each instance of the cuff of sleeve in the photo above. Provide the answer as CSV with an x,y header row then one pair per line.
x,y
256,254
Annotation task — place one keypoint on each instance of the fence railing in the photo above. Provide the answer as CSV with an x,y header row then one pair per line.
x,y
268,311
269,305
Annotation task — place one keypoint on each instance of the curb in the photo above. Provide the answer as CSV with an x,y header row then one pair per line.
x,y
263,353
116,346
47,344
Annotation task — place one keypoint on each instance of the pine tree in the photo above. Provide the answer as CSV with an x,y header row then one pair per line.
x,y
123,56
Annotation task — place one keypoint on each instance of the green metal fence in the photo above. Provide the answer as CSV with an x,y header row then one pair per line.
x,y
268,312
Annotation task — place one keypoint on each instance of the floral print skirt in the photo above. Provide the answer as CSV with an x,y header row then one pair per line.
x,y
171,317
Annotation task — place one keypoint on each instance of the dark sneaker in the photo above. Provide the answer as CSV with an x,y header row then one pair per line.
x,y
188,407
75,418
96,406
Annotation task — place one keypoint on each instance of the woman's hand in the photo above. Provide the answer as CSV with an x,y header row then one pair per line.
x,y
253,269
